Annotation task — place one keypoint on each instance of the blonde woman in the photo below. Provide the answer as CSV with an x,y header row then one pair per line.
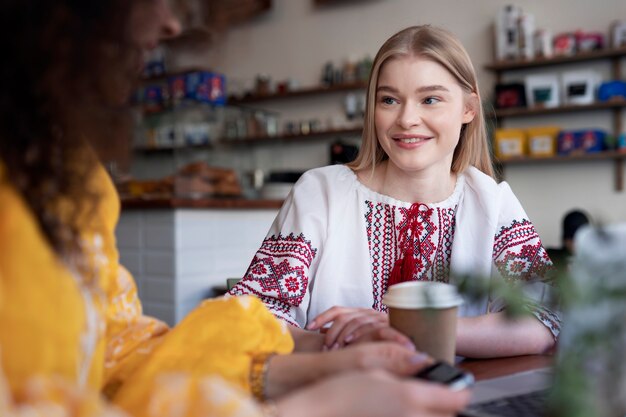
x,y
418,203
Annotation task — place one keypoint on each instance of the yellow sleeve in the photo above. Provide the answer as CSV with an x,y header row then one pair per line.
x,y
130,336
216,340
54,397
172,395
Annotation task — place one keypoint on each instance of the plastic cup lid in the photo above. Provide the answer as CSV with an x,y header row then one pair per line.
x,y
422,294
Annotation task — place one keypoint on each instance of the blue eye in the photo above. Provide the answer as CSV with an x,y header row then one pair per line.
x,y
387,100
431,100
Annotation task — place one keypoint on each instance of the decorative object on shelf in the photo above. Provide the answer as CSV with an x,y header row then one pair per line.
x,y
175,90
621,142
564,44
618,34
567,142
589,41
206,87
507,32
510,95
510,143
351,71
263,85
543,43
542,140
579,87
526,24
581,141
342,153
542,90
154,62
612,90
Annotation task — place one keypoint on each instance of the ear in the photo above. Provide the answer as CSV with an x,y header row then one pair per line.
x,y
471,107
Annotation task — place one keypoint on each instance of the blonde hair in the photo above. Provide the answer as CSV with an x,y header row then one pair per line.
x,y
444,48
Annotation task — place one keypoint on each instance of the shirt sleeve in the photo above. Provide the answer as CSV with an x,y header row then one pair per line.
x,y
519,257
283,269
206,359
172,394
54,396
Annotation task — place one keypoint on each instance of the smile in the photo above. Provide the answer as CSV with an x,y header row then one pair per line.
x,y
411,140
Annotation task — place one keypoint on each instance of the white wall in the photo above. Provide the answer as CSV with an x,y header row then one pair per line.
x,y
296,38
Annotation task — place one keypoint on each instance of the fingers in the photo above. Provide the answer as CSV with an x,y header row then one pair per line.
x,y
333,314
381,332
345,321
387,356
342,332
326,317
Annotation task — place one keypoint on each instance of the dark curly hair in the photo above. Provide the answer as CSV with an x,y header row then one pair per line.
x,y
66,63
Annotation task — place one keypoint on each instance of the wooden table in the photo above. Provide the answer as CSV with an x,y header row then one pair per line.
x,y
493,368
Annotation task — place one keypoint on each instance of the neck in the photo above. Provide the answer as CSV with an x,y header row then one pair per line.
x,y
424,186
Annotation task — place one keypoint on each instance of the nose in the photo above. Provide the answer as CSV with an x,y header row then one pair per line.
x,y
170,25
409,116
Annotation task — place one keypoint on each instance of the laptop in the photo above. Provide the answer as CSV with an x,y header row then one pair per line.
x,y
590,358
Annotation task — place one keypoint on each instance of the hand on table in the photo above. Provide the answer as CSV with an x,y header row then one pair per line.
x,y
388,356
354,325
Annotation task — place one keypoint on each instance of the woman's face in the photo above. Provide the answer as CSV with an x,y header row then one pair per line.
x,y
152,21
419,111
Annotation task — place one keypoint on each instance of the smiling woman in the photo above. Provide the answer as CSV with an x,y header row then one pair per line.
x,y
418,123
418,203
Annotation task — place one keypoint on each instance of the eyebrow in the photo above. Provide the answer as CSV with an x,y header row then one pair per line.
x,y
425,89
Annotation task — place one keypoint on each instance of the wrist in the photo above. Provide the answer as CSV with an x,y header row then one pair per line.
x,y
306,340
258,375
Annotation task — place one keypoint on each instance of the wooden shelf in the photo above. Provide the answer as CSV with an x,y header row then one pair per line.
x,y
557,60
563,158
257,140
617,157
302,92
164,77
570,108
296,137
615,57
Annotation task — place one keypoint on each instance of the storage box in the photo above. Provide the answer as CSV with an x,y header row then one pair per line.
x,y
542,90
592,140
579,87
581,141
510,143
567,142
205,87
542,141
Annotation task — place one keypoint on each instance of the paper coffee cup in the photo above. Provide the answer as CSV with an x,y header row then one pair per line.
x,y
426,312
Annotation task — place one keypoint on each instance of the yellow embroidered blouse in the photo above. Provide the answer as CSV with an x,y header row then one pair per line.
x,y
63,344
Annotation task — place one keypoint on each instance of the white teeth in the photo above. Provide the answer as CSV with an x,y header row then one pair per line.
x,y
411,140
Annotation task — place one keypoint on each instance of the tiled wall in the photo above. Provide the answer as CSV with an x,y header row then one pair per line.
x,y
179,256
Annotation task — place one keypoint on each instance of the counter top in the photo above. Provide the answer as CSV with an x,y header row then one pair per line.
x,y
202,203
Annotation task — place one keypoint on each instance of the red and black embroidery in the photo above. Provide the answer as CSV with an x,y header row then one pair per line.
x,y
432,243
518,253
278,273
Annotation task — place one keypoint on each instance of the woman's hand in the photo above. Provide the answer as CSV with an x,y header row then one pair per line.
x,y
388,356
373,394
354,325
288,372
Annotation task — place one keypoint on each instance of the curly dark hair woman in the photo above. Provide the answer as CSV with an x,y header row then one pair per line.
x,y
68,67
